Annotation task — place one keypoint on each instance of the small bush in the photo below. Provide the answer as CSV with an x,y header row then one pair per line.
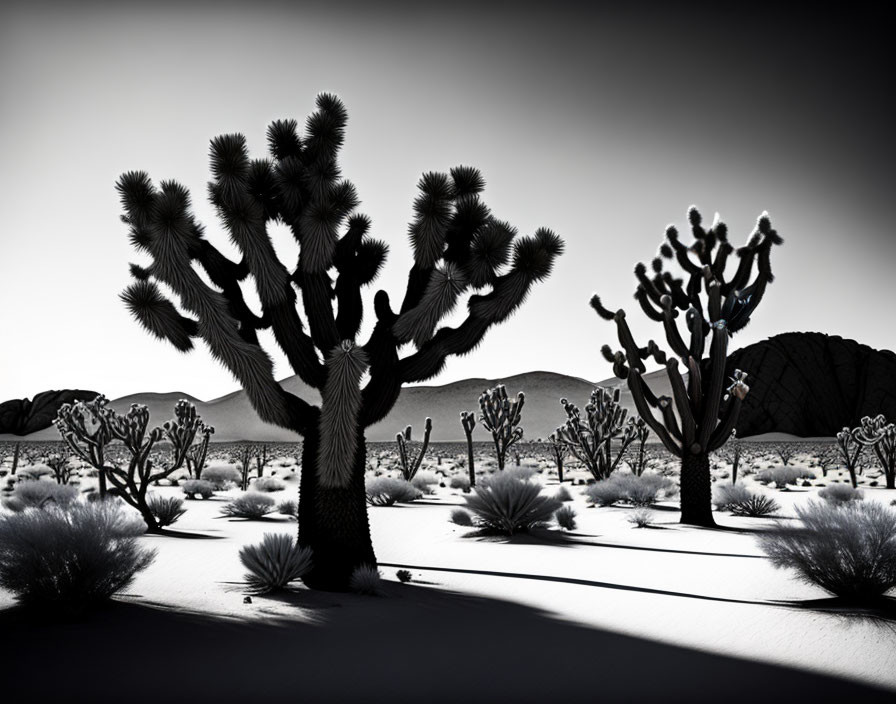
x,y
274,562
268,484
165,510
523,472
35,471
782,476
39,494
838,494
288,508
755,506
641,517
222,476
638,491
509,505
424,481
70,558
563,494
566,517
386,491
366,580
849,551
203,488
460,482
727,495
461,517
250,505
605,492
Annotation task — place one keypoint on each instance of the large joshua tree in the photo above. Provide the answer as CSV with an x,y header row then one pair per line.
x,y
701,413
458,247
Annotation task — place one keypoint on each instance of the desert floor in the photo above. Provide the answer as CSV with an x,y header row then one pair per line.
x,y
606,612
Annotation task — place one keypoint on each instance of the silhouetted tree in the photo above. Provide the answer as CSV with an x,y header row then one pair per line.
x,y
704,418
458,247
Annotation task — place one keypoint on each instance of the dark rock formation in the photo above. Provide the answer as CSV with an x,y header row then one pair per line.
x,y
22,416
812,385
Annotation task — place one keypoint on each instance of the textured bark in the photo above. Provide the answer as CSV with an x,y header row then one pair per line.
x,y
333,521
696,490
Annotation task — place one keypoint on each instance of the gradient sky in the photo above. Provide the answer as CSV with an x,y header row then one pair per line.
x,y
601,123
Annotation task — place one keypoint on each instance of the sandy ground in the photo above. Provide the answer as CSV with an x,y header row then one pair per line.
x,y
607,611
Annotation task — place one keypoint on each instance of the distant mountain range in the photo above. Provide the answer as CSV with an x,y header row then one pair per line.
x,y
802,384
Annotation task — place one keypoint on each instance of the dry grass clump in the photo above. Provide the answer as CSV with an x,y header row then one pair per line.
x,y
250,505
507,504
275,562
387,491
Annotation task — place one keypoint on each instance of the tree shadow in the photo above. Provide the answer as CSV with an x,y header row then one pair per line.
x,y
343,648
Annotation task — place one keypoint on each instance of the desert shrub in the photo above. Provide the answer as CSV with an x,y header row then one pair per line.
x,y
288,508
461,517
563,494
849,551
268,484
523,472
755,506
460,482
366,580
70,558
222,476
605,492
640,517
386,491
203,488
726,495
424,481
404,576
39,494
274,562
166,510
509,505
840,494
638,491
250,505
566,517
782,476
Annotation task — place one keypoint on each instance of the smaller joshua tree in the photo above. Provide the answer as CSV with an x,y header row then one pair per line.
x,y
261,460
850,451
881,437
411,463
84,430
558,453
197,455
590,439
80,423
639,463
468,421
59,463
501,417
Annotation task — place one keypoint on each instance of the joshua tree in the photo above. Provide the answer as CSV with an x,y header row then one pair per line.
x,y
458,247
558,453
409,464
850,451
79,423
642,433
591,439
501,417
83,430
59,463
468,421
881,436
241,456
786,451
261,460
197,455
704,418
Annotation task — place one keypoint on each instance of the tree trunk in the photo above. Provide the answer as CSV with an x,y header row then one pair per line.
x,y
15,459
333,521
560,469
891,480
470,460
696,490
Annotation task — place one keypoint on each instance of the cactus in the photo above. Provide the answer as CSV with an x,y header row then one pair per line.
x,y
459,248
700,415
501,417
591,439
881,437
410,464
84,427
468,422
198,454
558,453
850,451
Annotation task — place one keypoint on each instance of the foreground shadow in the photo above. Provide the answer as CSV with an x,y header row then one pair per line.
x,y
416,644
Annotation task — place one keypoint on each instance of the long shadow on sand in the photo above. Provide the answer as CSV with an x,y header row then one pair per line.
x,y
416,645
